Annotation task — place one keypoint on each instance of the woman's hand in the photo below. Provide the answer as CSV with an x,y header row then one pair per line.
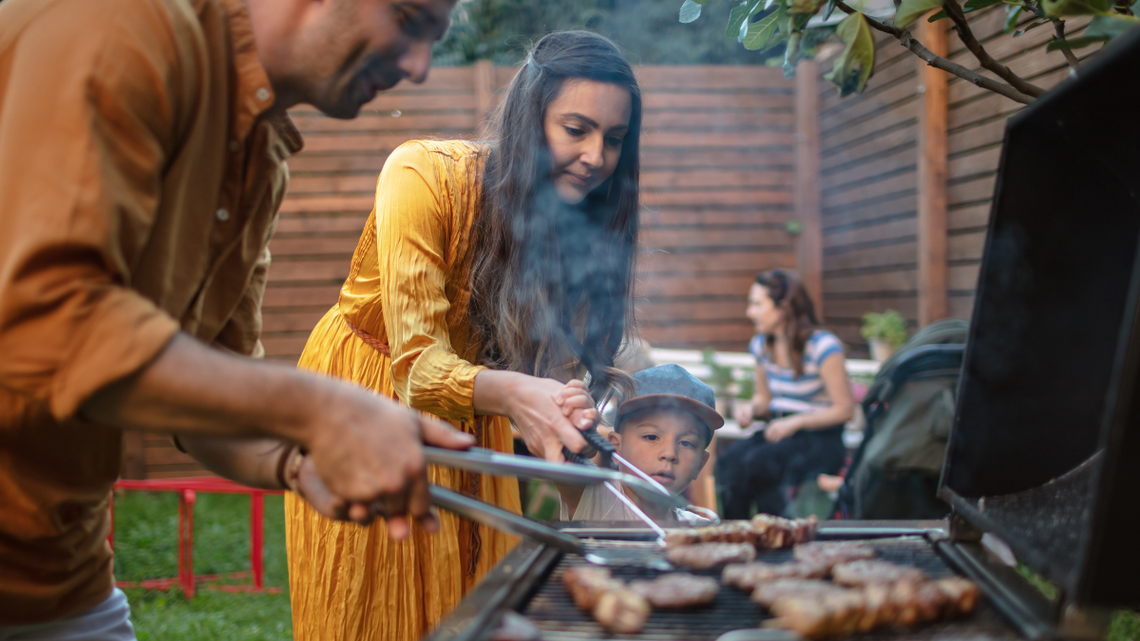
x,y
782,428
744,413
529,402
577,404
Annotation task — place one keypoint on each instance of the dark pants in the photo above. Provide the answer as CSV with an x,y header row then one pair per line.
x,y
755,471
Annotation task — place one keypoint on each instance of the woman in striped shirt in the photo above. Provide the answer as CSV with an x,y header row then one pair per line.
x,y
803,391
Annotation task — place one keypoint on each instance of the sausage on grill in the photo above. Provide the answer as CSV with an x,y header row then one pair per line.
x,y
817,609
764,532
702,556
610,602
677,590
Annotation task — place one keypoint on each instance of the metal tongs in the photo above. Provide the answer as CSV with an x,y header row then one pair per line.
x,y
491,462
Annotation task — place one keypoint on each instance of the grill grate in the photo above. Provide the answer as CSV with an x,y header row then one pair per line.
x,y
555,614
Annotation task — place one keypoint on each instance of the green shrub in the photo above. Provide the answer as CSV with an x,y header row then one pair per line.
x,y
889,326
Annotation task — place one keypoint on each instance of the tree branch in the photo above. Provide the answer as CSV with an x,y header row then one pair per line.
x,y
1059,27
954,10
938,62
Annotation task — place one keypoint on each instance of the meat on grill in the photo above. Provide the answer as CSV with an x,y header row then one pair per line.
x,y
611,603
764,532
677,590
816,609
830,554
871,571
747,576
621,610
702,556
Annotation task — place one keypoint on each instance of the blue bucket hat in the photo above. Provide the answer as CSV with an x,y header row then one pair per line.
x,y
672,386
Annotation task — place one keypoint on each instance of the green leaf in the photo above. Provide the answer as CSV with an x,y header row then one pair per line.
x,y
735,21
702,2
739,17
829,8
690,11
1011,19
1062,8
1110,26
1136,8
760,32
1071,44
1031,27
854,66
911,10
974,5
938,16
804,7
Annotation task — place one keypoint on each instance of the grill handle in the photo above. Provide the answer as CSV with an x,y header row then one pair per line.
x,y
503,520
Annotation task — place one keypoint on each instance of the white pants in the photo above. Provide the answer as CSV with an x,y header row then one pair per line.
x,y
108,621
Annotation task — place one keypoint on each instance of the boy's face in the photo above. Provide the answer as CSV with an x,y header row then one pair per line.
x,y
667,444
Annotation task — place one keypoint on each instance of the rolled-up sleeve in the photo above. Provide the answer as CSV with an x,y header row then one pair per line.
x,y
413,222
85,128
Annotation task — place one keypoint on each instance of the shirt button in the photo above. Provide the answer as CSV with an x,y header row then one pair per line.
x,y
263,94
223,215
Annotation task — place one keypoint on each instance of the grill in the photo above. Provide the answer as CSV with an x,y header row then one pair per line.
x,y
555,614
529,581
1046,435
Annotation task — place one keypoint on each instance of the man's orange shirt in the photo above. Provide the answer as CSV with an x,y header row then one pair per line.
x,y
139,183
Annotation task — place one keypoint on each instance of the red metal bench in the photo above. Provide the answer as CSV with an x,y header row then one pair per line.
x,y
187,489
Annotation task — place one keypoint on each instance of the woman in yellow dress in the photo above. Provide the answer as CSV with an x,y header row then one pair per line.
x,y
487,276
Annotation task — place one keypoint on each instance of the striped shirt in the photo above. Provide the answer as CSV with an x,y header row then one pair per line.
x,y
804,393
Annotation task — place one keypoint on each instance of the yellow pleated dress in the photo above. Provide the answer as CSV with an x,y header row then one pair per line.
x,y
407,291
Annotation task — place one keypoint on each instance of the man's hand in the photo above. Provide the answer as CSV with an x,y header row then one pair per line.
x,y
367,453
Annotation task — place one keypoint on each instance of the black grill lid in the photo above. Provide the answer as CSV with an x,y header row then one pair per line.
x,y
1045,451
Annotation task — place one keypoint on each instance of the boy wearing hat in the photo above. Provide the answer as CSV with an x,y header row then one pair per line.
x,y
664,430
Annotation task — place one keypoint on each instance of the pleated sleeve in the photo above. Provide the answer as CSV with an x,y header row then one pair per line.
x,y
414,225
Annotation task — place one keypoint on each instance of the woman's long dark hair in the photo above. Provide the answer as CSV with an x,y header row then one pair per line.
x,y
800,321
551,284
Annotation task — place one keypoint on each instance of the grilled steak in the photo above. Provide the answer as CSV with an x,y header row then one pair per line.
x,y
747,576
832,554
677,590
702,556
867,572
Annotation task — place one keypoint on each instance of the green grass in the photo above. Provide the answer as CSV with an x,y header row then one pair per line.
x,y
1125,623
146,547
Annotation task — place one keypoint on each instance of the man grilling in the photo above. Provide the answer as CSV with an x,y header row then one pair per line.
x,y
142,149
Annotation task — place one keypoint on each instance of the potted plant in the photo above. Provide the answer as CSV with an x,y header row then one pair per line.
x,y
884,333
720,380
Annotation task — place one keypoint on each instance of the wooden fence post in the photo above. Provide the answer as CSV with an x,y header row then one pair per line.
x,y
809,246
932,172
484,95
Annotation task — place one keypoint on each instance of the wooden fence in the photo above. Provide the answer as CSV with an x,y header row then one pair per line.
x,y
907,174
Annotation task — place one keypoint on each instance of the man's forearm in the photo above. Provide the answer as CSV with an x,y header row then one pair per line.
x,y
252,462
193,389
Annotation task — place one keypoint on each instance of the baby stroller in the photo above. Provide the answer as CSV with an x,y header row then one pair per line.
x,y
909,409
